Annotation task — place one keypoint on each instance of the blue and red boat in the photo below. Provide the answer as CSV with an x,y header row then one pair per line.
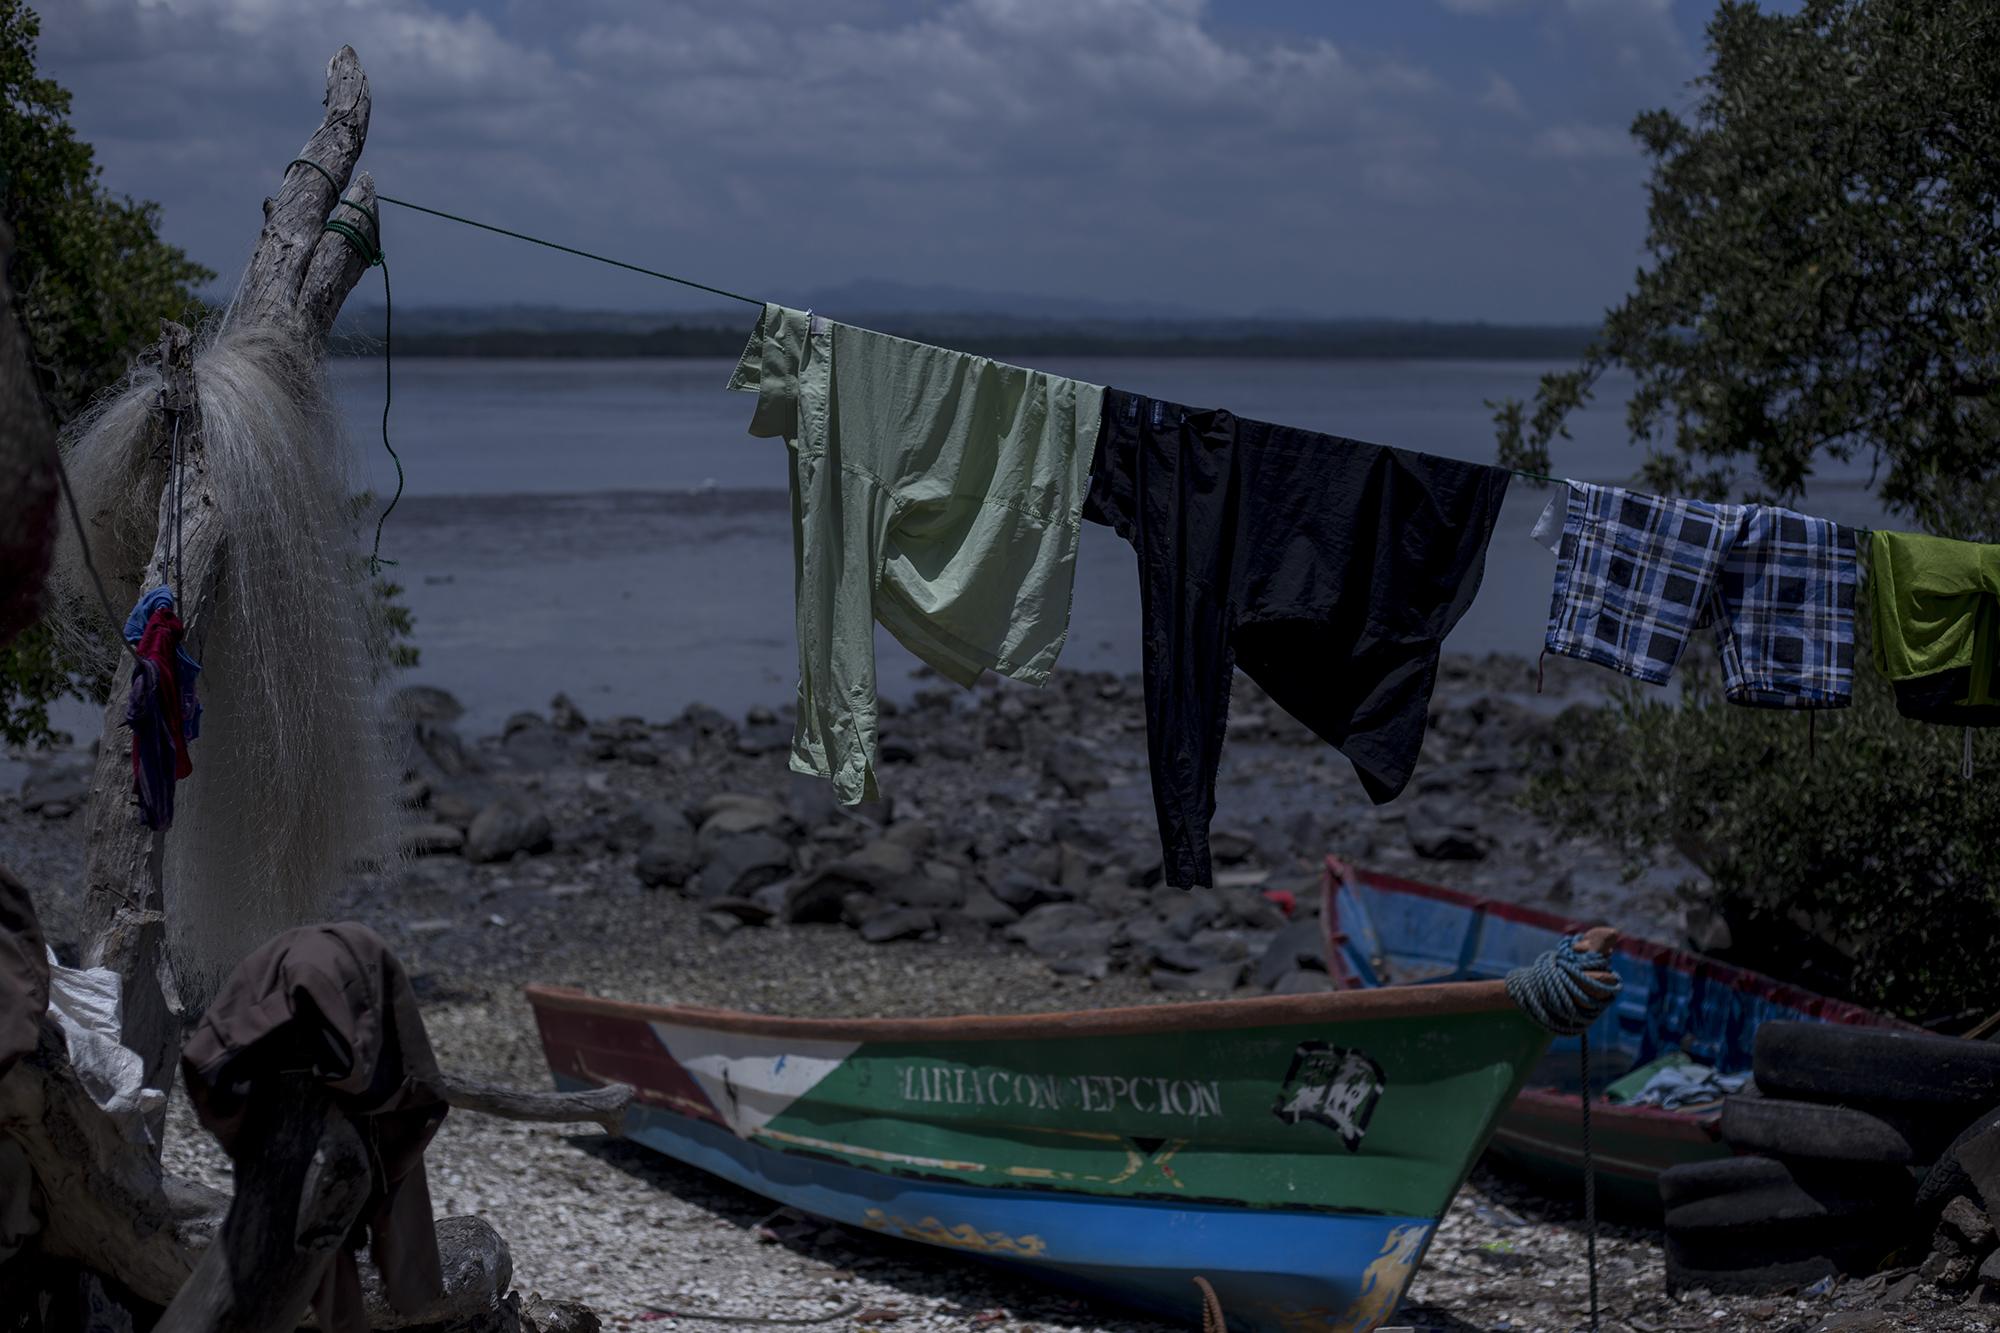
x,y
1382,931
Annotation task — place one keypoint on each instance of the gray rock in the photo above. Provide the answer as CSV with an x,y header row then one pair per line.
x,y
987,910
541,1315
504,828
736,867
534,744
749,814
458,803
1004,734
810,801
751,911
638,754
812,898
1198,908
1062,930
1989,1271
703,720
433,840
722,923
1968,1220
755,811
1301,944
1253,911
414,794
898,923
56,792
1176,955
425,703
1074,768
1304,981
1217,980
523,721
1440,833
1230,846
1115,901
764,738
667,861
1023,891
564,715
895,749
936,885
1094,967
439,745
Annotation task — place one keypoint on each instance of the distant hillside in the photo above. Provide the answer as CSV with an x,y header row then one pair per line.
x,y
538,332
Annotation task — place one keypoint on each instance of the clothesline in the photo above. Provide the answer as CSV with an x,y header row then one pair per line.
x,y
1540,477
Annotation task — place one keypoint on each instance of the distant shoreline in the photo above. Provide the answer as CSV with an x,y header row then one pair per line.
x,y
1250,340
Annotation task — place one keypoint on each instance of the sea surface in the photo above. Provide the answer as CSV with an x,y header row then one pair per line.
x,y
608,529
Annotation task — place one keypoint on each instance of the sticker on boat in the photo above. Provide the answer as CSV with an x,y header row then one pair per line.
x,y
1333,1086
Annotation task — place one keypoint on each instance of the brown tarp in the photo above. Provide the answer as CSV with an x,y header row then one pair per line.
x,y
334,1000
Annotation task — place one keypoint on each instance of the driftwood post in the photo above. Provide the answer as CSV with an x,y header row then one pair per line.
x,y
298,278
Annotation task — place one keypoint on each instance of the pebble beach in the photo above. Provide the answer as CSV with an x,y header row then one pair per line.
x,y
1012,867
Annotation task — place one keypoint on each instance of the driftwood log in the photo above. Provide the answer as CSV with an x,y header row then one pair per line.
x,y
298,277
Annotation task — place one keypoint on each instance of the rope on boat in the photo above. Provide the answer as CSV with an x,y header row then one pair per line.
x,y
1566,990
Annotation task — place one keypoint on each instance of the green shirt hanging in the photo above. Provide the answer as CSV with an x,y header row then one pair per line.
x,y
937,492
1937,625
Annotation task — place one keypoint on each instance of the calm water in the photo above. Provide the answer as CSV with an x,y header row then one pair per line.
x,y
607,528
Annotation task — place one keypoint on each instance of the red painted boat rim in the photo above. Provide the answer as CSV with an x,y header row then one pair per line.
x,y
1444,1000
1825,1007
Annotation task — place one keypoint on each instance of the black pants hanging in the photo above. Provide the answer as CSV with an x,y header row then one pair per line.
x,y
1329,570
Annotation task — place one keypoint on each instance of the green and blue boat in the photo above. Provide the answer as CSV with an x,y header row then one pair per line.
x,y
1297,1152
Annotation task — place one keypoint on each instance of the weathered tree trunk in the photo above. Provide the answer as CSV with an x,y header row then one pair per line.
x,y
298,277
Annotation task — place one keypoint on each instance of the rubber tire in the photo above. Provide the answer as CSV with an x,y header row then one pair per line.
x,y
1779,1127
1831,1062
1948,1177
1782,1262
1739,1199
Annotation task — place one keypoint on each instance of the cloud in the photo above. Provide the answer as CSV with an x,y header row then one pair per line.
x,y
1091,146
1502,96
1583,143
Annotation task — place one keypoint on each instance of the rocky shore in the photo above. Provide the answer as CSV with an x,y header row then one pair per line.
x,y
1013,866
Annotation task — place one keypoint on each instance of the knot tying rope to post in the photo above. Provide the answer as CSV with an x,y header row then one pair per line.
x,y
369,246
1565,990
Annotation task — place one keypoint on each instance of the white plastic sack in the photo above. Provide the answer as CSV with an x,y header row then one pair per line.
x,y
86,1003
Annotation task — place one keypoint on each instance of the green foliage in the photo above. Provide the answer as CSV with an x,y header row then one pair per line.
x,y
1824,275
1846,852
93,280
92,276
33,674
396,625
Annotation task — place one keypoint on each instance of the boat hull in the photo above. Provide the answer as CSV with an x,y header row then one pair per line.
x,y
1295,1152
1386,931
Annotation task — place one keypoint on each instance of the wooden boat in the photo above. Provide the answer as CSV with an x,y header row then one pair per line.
x,y
1295,1151
1388,932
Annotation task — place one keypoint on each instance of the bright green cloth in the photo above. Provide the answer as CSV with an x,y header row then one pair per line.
x,y
1936,608
937,492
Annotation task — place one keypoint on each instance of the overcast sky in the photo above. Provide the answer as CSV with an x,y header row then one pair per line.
x,y
1424,158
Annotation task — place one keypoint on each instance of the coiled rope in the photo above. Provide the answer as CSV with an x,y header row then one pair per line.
x,y
1560,992
1567,990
